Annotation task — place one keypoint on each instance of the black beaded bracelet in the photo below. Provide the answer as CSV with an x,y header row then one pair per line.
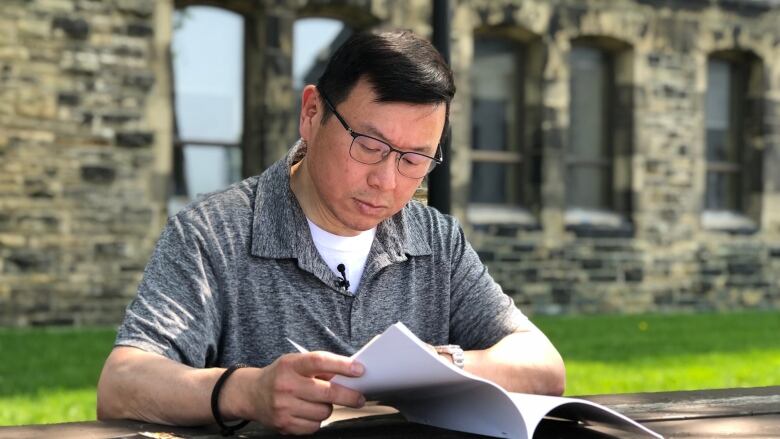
x,y
227,430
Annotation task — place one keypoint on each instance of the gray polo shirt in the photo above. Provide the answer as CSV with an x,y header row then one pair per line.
x,y
236,274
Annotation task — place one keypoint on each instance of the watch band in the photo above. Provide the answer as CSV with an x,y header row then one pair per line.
x,y
455,351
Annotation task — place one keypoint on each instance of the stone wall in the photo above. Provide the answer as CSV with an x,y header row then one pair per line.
x,y
86,148
85,135
667,259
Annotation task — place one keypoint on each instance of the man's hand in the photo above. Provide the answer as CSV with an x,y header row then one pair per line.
x,y
294,393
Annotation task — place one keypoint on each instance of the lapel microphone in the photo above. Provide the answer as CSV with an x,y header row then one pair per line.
x,y
343,282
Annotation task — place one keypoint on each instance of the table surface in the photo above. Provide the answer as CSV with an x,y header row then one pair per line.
x,y
722,413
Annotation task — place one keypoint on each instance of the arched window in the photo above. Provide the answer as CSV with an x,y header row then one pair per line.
x,y
496,122
208,69
732,119
598,154
314,41
589,156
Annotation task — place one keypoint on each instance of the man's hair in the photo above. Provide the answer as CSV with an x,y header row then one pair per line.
x,y
399,65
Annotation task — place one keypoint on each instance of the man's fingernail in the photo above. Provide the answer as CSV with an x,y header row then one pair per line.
x,y
357,368
362,401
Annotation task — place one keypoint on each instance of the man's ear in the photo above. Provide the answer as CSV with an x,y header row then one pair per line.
x,y
310,112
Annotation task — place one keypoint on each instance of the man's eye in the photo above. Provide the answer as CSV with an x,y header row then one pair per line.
x,y
369,148
414,159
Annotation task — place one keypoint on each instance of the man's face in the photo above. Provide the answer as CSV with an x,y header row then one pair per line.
x,y
350,196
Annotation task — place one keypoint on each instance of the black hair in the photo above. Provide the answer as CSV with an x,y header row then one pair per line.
x,y
399,65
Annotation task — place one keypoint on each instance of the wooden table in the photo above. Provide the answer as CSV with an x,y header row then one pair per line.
x,y
727,413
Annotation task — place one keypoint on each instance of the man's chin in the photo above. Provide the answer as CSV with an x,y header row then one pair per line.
x,y
363,224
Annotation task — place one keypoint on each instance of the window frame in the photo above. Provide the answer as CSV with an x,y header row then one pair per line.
x,y
606,162
746,115
179,186
517,212
614,218
734,164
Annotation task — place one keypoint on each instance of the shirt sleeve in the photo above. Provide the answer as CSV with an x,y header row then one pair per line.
x,y
174,312
481,314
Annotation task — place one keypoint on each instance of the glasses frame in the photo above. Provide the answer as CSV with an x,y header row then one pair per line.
x,y
435,160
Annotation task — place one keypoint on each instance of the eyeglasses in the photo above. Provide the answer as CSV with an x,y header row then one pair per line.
x,y
370,151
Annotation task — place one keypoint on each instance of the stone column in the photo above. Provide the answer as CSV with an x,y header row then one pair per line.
x,y
270,126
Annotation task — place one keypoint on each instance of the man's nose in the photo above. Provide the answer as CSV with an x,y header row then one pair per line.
x,y
384,174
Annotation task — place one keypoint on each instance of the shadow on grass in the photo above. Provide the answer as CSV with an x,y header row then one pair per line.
x,y
35,360
617,338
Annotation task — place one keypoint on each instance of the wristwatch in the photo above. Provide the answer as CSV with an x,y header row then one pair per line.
x,y
458,359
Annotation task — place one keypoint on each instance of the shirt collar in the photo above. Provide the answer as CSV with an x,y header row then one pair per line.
x,y
280,230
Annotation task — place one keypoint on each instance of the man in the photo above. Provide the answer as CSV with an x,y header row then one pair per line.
x,y
326,248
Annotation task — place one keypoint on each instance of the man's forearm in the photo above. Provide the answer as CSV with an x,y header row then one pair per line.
x,y
521,362
288,395
148,387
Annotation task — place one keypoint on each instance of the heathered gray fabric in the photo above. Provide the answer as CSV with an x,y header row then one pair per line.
x,y
237,273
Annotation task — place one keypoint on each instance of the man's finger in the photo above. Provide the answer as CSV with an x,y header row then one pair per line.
x,y
317,363
325,376
320,391
313,411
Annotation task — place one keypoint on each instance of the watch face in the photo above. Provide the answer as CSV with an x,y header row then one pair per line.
x,y
455,352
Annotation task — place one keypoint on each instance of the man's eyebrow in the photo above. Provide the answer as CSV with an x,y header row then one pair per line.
x,y
374,132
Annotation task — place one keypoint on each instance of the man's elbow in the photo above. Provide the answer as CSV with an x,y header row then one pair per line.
x,y
553,374
557,378
107,407
113,393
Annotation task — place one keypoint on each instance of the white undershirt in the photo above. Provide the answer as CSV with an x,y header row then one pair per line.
x,y
352,251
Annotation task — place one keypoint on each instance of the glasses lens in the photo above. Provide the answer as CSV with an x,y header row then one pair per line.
x,y
367,150
415,165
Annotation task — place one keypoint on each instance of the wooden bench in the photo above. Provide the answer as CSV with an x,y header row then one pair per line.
x,y
749,412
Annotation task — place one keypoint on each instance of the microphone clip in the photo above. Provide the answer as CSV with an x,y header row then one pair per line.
x,y
343,282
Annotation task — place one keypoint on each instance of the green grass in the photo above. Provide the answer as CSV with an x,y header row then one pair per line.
x,y
49,375
616,354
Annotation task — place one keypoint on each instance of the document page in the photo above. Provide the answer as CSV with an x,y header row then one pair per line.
x,y
401,371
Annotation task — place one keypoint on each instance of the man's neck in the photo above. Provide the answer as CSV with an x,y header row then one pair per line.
x,y
303,188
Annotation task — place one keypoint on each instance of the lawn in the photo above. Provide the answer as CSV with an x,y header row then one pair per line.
x,y
49,375
618,354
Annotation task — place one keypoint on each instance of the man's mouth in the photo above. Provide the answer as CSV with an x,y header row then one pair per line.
x,y
368,207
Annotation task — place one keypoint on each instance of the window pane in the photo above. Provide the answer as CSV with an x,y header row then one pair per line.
x,y
718,108
587,185
208,63
495,88
495,183
210,168
314,40
722,191
589,82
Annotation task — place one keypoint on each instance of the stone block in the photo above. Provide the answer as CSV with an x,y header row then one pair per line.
x,y
29,261
38,188
38,222
98,174
139,29
633,275
134,139
75,28
140,8
56,5
33,28
9,240
68,99
34,102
